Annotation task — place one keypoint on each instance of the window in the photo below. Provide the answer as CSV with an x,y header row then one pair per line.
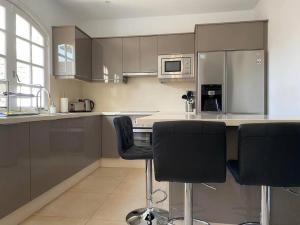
x,y
30,51
22,53
2,52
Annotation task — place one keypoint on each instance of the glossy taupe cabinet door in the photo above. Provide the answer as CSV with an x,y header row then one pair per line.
x,y
83,44
61,148
83,142
131,55
14,167
176,44
72,53
109,139
93,138
230,36
140,55
107,58
148,54
47,145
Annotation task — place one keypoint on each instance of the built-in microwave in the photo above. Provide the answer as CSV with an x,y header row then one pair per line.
x,y
176,66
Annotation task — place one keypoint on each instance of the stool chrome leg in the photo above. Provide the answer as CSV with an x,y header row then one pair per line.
x,y
265,207
188,208
149,183
148,215
188,204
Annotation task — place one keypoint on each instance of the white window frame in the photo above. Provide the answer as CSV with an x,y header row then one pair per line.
x,y
12,9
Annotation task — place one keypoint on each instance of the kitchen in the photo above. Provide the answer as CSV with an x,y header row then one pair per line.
x,y
118,70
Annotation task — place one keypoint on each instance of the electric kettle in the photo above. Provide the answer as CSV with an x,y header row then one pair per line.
x,y
89,105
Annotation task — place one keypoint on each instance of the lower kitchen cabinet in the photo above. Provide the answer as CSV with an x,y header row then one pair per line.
x,y
109,139
83,148
14,167
60,148
47,145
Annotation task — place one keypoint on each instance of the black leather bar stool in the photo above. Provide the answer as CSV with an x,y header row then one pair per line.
x,y
189,152
129,151
268,156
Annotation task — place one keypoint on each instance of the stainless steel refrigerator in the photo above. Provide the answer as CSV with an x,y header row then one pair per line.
x,y
241,76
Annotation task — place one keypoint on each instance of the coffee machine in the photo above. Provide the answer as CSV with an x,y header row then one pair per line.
x,y
211,98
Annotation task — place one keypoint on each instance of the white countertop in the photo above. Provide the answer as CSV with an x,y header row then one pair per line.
x,y
229,119
56,116
43,117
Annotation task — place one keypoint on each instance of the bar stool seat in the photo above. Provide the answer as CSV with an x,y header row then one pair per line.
x,y
129,151
138,152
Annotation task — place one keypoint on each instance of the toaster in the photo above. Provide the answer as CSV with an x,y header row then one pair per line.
x,y
83,105
77,107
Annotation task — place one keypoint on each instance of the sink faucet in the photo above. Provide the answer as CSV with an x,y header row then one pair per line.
x,y
40,93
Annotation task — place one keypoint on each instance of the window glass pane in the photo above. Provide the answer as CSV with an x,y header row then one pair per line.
x,y
37,75
2,69
37,55
24,102
23,50
2,43
3,88
36,37
22,27
2,17
23,71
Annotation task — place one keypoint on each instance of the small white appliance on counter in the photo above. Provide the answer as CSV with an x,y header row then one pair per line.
x,y
64,105
83,105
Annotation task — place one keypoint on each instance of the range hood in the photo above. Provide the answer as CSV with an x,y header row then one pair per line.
x,y
140,74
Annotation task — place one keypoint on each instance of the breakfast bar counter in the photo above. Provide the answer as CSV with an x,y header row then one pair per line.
x,y
231,120
230,203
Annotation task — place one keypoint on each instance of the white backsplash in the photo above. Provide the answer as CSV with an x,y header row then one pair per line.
x,y
139,94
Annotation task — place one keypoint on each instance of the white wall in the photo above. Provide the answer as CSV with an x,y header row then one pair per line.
x,y
284,54
48,14
159,25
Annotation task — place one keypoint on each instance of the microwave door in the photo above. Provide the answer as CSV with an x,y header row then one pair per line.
x,y
172,66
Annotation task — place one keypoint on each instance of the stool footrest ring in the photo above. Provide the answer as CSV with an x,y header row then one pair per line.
x,y
162,191
250,223
171,221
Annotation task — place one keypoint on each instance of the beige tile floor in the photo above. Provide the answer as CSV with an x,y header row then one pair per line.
x,y
103,198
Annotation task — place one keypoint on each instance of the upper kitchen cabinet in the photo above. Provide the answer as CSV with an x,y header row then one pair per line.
x,y
231,36
131,55
148,51
72,53
107,63
176,44
140,56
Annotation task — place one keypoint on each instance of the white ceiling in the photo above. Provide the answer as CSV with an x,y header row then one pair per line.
x,y
99,9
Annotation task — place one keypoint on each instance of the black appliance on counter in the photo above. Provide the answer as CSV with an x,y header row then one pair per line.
x,y
211,98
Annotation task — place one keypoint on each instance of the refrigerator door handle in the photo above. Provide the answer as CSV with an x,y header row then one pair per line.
x,y
225,102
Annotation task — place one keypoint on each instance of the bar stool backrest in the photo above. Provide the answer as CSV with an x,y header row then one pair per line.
x,y
190,151
124,132
269,154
